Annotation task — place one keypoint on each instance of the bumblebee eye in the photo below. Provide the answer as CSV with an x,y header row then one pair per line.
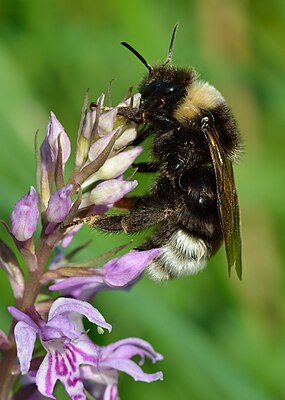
x,y
161,89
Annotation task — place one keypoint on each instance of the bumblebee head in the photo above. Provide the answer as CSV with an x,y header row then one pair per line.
x,y
164,85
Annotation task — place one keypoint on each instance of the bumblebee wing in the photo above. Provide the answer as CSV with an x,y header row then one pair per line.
x,y
227,198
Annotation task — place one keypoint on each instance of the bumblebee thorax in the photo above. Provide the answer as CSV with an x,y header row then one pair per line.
x,y
200,96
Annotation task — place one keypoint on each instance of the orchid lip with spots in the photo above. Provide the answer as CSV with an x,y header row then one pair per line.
x,y
64,339
71,356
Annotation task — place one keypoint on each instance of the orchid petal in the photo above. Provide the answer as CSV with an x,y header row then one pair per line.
x,y
75,281
62,362
62,305
122,270
126,348
117,165
46,376
60,326
110,191
106,121
92,373
81,287
69,235
126,137
21,316
111,392
88,123
120,273
131,368
25,337
98,146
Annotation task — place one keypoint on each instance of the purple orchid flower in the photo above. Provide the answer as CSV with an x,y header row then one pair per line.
x,y
66,344
120,273
102,380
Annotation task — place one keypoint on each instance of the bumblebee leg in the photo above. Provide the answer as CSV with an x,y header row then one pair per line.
x,y
128,223
145,167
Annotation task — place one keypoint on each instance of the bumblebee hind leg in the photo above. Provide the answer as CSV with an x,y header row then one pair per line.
x,y
136,221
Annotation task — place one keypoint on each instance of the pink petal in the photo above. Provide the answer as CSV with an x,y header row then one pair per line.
x,y
62,363
106,121
81,287
111,392
126,137
93,374
108,192
131,368
97,147
88,123
46,376
69,235
63,305
25,337
117,165
75,281
123,270
127,348
21,316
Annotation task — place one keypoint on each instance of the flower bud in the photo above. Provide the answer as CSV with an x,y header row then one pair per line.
x,y
106,121
97,147
24,217
127,137
53,131
49,148
88,123
117,165
59,204
109,192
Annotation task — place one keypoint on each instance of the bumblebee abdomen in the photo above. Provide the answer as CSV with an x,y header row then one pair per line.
x,y
181,255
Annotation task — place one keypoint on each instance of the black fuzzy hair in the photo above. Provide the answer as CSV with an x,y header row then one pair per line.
x,y
179,75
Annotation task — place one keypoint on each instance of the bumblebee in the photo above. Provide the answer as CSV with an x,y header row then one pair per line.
x,y
193,202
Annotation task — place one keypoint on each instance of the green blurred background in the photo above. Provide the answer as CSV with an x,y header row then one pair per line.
x,y
221,338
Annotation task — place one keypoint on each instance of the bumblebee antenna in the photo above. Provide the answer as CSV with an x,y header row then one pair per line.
x,y
169,54
138,55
